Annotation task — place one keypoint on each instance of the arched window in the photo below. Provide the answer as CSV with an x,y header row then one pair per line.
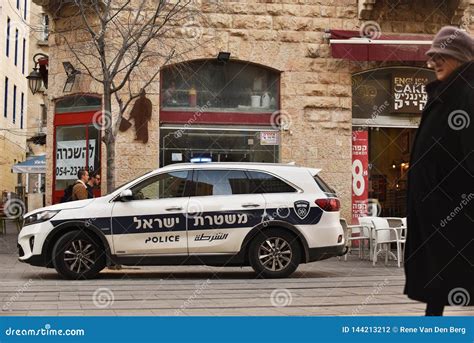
x,y
212,86
217,111
78,103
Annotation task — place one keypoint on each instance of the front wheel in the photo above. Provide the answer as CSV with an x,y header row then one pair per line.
x,y
77,255
274,253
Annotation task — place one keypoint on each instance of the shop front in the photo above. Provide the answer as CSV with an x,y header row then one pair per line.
x,y
387,106
219,111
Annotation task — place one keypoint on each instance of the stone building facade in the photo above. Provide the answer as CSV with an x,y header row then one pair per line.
x,y
20,110
292,39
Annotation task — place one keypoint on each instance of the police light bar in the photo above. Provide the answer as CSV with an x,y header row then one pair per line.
x,y
201,159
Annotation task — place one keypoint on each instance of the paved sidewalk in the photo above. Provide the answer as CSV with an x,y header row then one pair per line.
x,y
329,288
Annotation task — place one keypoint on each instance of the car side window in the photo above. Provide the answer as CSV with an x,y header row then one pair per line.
x,y
162,186
261,182
220,182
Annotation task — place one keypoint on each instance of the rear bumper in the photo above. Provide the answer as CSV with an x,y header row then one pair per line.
x,y
318,254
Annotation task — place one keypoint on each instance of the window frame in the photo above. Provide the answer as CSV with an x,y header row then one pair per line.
x,y
7,41
15,58
14,103
5,100
22,109
154,176
192,192
23,57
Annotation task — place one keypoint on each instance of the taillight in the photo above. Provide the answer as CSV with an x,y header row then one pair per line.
x,y
329,204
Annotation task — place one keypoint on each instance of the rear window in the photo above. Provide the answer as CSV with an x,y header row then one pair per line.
x,y
323,185
261,182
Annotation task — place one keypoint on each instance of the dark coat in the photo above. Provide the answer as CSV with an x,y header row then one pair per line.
x,y
439,254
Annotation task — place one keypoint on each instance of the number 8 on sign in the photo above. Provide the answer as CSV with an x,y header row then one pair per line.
x,y
358,182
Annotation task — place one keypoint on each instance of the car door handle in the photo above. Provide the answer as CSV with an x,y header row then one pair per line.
x,y
174,208
250,205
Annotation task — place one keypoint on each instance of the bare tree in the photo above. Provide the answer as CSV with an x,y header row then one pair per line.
x,y
121,45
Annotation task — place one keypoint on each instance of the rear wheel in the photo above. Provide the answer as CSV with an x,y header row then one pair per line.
x,y
274,253
78,255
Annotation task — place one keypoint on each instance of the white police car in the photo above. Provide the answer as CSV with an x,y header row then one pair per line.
x,y
269,216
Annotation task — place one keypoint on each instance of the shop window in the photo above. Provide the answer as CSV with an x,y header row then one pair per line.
x,y
393,96
221,182
77,148
218,145
216,87
167,185
266,183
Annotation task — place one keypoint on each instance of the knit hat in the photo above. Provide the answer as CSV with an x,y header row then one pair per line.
x,y
454,42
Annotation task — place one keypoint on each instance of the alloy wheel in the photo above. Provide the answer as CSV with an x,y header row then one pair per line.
x,y
275,253
79,256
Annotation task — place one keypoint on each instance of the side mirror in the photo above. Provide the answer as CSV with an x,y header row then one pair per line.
x,y
126,195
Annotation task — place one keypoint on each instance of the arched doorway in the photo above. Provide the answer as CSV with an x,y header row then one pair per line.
x,y
76,140
215,111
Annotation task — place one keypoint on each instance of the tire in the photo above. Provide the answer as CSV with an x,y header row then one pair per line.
x,y
77,256
281,262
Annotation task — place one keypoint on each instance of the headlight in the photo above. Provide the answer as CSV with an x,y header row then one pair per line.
x,y
39,217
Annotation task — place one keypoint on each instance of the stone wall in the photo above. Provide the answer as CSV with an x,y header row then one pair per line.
x,y
287,35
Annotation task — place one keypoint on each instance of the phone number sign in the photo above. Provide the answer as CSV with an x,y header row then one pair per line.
x,y
71,157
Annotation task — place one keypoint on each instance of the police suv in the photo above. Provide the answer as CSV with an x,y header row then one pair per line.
x,y
269,216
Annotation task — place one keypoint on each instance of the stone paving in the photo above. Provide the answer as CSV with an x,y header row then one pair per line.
x,y
328,288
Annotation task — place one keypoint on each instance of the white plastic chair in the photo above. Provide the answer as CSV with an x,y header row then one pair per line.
x,y
384,235
368,225
363,237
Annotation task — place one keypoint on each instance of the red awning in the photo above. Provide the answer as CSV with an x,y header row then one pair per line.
x,y
350,45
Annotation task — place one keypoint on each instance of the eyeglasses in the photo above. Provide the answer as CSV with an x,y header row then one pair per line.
x,y
435,60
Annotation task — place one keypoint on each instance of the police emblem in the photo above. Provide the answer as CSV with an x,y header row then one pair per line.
x,y
301,208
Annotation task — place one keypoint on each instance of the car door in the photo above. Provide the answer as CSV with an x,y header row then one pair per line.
x,y
221,211
153,221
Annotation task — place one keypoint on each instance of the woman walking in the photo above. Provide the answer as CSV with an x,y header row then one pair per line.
x,y
439,255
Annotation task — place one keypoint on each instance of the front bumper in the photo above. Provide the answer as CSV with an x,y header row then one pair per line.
x,y
31,240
